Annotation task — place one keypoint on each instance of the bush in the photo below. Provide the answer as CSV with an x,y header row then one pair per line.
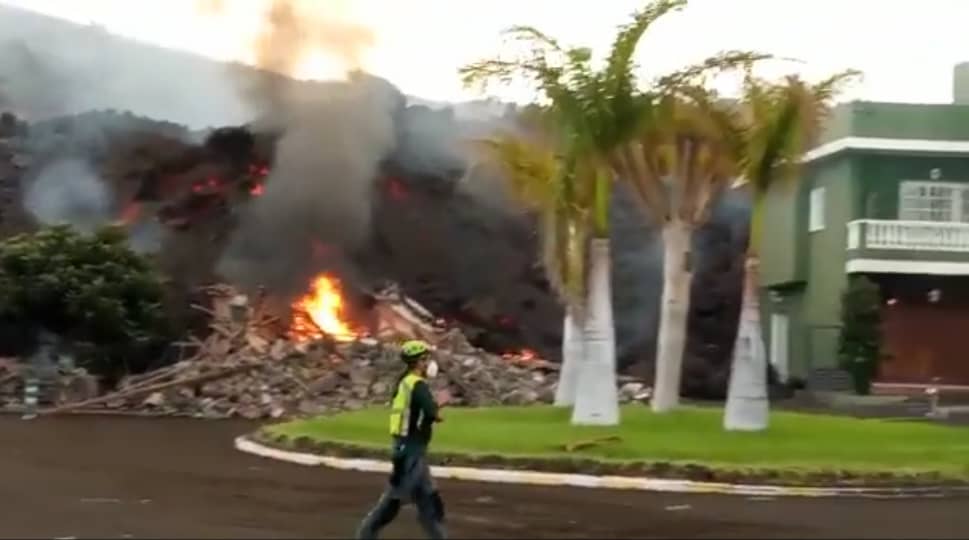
x,y
859,347
91,290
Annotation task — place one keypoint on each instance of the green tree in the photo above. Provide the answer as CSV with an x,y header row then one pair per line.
x,y
539,178
590,112
694,145
607,126
859,345
91,290
684,155
779,121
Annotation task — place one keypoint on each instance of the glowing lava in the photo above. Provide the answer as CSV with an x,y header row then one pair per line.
x,y
525,355
321,311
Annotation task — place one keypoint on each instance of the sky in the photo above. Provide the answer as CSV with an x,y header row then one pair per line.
x,y
906,49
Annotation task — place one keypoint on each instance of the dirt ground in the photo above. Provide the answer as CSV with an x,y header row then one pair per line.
x,y
88,477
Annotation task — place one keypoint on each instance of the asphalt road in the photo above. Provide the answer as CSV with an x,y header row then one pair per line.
x,y
89,477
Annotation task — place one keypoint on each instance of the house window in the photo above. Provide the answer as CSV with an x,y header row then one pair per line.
x,y
933,201
816,215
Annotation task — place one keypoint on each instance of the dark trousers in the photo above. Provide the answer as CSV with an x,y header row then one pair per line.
x,y
410,482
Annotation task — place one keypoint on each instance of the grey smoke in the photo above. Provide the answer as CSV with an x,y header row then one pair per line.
x,y
321,187
429,142
69,192
51,67
637,271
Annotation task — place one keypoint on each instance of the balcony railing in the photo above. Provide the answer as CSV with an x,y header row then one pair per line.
x,y
908,235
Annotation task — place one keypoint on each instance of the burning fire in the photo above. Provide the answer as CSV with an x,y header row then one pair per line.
x,y
131,213
321,311
525,355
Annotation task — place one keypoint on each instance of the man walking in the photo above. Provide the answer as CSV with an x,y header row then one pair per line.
x,y
413,413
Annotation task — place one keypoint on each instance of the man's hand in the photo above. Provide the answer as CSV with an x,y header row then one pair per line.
x,y
442,397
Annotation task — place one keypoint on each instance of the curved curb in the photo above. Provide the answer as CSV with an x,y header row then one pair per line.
x,y
504,476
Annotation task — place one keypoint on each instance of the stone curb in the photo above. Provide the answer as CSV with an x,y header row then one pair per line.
x,y
503,476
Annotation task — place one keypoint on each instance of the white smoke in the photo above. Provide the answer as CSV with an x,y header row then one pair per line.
x,y
50,67
69,191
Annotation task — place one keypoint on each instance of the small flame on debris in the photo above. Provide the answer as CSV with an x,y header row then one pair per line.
x,y
258,170
321,311
526,355
209,185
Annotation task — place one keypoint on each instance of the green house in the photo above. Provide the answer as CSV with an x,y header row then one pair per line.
x,y
885,194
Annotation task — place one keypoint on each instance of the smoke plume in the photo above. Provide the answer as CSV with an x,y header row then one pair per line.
x,y
321,187
291,34
69,192
50,67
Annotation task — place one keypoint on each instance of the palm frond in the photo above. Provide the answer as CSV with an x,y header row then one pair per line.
x,y
531,171
533,36
619,86
783,121
696,76
620,68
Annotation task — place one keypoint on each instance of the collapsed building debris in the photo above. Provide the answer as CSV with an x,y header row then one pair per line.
x,y
250,367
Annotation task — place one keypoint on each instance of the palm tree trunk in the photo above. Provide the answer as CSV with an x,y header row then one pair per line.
x,y
596,400
572,352
674,315
748,408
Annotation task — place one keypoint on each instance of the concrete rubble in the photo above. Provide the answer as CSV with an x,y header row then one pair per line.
x,y
247,368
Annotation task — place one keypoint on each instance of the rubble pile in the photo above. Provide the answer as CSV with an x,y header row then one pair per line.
x,y
249,368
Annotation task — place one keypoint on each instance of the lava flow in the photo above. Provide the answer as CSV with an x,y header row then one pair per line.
x,y
321,312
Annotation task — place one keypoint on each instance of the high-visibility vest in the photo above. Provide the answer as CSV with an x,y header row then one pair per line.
x,y
400,408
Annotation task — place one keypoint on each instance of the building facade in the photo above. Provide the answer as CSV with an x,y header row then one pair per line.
x,y
885,194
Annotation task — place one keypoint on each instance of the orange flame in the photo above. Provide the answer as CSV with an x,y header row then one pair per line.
x,y
131,213
524,355
323,306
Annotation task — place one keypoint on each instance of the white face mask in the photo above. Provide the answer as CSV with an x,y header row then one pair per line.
x,y
431,370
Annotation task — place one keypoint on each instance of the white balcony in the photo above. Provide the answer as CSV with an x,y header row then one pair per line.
x,y
908,235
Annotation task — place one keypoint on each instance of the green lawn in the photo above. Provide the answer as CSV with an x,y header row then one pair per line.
x,y
796,442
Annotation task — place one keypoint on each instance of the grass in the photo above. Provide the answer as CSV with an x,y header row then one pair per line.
x,y
794,442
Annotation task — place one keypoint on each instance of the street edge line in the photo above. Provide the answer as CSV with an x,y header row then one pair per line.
x,y
536,478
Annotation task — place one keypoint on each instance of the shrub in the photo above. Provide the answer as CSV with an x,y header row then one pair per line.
x,y
859,347
92,290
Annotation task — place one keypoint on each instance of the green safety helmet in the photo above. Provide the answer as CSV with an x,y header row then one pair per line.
x,y
413,350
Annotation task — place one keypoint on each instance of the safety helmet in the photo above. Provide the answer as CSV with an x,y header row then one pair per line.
x,y
413,350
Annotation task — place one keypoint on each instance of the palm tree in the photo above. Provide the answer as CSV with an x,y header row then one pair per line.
x,y
540,179
778,123
592,112
679,162
690,147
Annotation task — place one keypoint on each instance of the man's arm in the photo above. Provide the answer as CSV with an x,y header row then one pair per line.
x,y
425,400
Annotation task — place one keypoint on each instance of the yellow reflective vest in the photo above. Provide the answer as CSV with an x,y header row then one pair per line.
x,y
400,408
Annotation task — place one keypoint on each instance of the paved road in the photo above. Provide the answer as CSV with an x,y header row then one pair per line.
x,y
133,478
